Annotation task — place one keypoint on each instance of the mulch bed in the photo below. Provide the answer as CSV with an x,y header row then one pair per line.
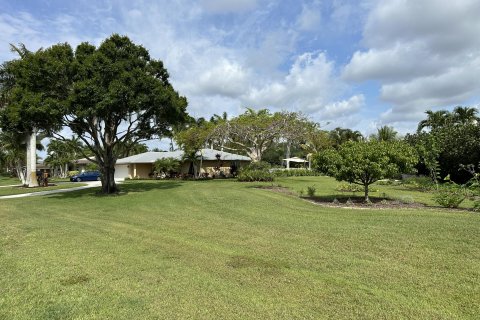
x,y
349,201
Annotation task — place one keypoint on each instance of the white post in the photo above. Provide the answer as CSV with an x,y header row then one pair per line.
x,y
134,170
288,164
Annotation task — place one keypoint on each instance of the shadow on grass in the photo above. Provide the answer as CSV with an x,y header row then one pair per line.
x,y
124,189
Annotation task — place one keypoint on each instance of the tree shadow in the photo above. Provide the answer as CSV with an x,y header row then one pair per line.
x,y
124,189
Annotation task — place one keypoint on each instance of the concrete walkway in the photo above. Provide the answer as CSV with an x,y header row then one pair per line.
x,y
90,184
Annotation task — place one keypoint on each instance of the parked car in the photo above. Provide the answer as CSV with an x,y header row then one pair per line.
x,y
86,176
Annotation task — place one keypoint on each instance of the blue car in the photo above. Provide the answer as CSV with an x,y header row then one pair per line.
x,y
86,176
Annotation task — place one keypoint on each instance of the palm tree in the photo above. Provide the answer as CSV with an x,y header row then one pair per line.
x,y
435,120
13,153
465,115
63,152
341,135
386,133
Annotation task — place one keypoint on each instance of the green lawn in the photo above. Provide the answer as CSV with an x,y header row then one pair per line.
x,y
7,191
326,187
7,181
226,250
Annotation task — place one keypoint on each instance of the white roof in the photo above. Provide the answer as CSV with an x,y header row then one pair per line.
x,y
207,154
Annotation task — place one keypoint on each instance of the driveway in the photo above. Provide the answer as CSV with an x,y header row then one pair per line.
x,y
89,184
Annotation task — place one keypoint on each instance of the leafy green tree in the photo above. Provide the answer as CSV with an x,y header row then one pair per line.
x,y
452,140
364,163
192,140
31,89
118,94
253,132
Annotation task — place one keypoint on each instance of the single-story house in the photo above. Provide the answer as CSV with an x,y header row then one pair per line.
x,y
213,162
81,164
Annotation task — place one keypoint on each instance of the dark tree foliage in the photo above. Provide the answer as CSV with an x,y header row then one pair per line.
x,y
119,96
451,139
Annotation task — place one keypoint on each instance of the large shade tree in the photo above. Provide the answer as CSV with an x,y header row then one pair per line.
x,y
31,89
119,96
254,131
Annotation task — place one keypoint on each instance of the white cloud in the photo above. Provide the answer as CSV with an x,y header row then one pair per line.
x,y
309,85
343,108
225,78
425,53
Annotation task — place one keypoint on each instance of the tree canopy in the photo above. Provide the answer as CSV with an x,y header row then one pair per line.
x,y
111,97
366,162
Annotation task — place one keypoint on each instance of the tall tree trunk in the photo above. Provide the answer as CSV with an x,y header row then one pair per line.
x,y
27,161
20,173
32,159
107,169
201,164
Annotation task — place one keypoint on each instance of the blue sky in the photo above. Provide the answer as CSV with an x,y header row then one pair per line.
x,y
358,64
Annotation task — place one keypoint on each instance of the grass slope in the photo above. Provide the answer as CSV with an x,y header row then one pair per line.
x,y
225,250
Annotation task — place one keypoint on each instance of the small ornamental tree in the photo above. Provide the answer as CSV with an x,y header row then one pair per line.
x,y
192,140
364,163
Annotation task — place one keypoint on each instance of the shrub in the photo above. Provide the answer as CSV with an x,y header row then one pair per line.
x,y
476,205
256,171
348,187
296,173
311,191
421,183
72,173
449,196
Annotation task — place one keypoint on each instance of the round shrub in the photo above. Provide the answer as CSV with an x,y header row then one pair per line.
x,y
256,171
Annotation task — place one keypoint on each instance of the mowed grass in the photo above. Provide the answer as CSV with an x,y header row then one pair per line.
x,y
326,188
226,250
8,191
7,181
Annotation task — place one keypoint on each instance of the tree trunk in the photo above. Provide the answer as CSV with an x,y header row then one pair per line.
x,y
32,159
27,162
107,169
201,164
108,179
21,174
366,192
